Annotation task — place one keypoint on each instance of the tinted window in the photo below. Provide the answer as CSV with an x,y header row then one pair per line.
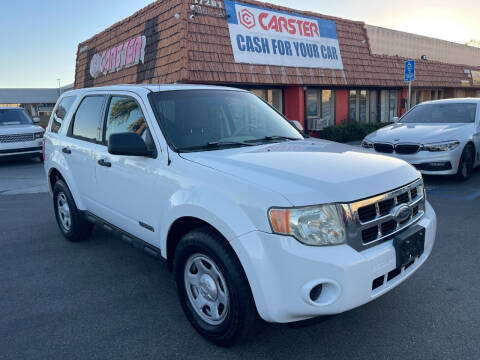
x,y
14,117
441,113
86,123
194,118
125,115
60,112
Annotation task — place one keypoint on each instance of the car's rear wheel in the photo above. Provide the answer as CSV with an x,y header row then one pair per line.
x,y
465,167
69,219
213,289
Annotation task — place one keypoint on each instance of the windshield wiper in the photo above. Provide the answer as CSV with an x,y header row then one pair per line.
x,y
214,144
227,143
274,137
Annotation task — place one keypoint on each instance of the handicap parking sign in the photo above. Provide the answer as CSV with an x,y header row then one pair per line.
x,y
409,70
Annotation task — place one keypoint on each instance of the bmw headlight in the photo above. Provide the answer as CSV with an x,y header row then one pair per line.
x,y
38,135
312,225
367,144
441,146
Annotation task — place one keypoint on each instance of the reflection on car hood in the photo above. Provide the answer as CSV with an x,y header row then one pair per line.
x,y
311,171
19,129
421,133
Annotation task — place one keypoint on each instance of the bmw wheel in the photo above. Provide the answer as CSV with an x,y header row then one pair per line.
x,y
465,167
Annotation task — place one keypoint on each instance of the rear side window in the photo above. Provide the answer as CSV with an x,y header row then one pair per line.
x,y
87,120
60,112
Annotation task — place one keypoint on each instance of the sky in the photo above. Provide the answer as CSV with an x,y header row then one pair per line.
x,y
39,38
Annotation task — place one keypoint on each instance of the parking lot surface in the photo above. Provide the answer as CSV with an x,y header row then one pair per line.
x,y
21,177
102,299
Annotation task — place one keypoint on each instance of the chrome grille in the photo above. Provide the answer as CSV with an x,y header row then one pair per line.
x,y
16,138
373,220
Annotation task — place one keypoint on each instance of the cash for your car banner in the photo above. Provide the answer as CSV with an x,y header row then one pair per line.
x,y
264,36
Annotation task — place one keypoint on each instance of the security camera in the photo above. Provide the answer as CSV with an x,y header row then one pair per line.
x,y
176,16
192,17
192,7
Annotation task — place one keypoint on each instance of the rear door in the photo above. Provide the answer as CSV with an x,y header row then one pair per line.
x,y
125,191
83,134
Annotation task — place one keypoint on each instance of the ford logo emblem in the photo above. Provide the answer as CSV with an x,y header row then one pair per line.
x,y
402,213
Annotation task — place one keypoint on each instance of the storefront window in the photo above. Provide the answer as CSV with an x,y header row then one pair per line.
x,y
363,106
313,103
352,105
358,104
273,96
320,108
328,106
388,105
393,106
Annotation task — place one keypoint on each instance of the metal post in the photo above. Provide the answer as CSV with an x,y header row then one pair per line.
x,y
409,95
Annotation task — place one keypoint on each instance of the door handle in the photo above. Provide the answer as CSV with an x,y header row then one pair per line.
x,y
66,150
103,162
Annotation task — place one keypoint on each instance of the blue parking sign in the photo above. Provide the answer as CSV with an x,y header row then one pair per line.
x,y
409,70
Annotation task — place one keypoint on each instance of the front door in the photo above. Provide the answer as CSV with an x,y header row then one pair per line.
x,y
126,185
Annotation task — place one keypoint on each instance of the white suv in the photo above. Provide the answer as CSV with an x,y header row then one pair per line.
x,y
254,219
19,136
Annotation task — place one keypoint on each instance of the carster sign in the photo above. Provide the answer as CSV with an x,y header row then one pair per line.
x,y
264,36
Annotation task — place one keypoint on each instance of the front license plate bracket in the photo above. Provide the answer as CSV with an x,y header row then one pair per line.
x,y
409,245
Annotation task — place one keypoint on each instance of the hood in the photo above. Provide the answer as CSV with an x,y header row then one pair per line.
x,y
420,133
19,129
310,172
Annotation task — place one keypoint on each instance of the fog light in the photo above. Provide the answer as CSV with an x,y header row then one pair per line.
x,y
316,292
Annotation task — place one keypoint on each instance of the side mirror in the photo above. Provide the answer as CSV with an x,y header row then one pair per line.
x,y
297,125
129,144
36,120
395,119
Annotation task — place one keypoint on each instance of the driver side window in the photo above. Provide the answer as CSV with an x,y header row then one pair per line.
x,y
125,115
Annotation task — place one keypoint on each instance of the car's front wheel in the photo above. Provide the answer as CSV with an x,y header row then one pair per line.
x,y
213,289
467,160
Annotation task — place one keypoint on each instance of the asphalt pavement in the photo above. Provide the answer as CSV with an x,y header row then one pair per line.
x,y
102,299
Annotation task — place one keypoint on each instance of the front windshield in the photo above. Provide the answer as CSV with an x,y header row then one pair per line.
x,y
196,120
441,113
14,117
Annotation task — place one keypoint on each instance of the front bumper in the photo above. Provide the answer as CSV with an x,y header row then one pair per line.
x,y
281,272
21,148
424,158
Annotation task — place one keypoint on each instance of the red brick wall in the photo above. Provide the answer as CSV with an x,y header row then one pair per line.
x,y
341,106
295,104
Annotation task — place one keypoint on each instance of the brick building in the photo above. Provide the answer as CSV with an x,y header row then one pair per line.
x,y
317,69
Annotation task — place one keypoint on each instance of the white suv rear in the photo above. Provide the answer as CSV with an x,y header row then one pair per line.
x,y
255,219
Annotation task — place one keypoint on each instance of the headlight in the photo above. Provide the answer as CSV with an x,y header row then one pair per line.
x,y
38,135
441,146
312,225
367,144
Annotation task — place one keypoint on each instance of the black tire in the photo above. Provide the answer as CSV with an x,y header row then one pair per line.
x,y
79,229
241,319
465,167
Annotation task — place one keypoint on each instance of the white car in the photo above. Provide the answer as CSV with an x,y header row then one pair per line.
x,y
254,219
19,136
437,137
